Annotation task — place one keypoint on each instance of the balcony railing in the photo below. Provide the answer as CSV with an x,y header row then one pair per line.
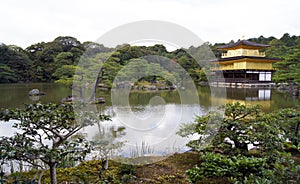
x,y
235,80
260,54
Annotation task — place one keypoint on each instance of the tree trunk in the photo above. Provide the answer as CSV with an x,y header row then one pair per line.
x,y
12,170
21,166
41,176
295,141
100,74
53,173
106,163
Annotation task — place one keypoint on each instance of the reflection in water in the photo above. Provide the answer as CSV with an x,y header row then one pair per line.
x,y
34,97
104,142
6,128
264,94
159,139
250,96
141,137
16,95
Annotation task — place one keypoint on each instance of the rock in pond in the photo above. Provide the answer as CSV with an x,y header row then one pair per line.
x,y
69,99
36,92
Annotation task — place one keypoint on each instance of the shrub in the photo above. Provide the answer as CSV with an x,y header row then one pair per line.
x,y
241,169
127,169
216,165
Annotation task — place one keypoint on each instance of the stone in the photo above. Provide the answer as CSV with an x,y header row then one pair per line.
x,y
36,92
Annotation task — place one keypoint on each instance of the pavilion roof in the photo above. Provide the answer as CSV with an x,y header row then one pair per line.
x,y
246,57
243,44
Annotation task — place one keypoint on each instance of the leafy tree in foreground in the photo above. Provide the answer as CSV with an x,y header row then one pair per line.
x,y
289,120
45,132
239,126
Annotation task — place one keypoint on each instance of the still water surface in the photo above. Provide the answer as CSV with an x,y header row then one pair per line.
x,y
16,95
159,135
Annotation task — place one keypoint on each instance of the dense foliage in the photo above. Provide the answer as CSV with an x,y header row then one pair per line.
x,y
239,126
217,165
288,49
228,154
57,60
244,169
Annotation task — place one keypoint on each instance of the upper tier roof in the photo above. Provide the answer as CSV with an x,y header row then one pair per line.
x,y
243,44
247,57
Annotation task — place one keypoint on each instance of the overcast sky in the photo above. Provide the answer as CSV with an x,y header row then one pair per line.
x,y
25,22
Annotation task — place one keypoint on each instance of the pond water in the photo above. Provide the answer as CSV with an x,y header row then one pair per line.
x,y
16,95
154,131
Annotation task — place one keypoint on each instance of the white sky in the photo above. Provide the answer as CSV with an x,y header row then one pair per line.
x,y
25,22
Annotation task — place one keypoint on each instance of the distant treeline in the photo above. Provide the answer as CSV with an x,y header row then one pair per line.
x,y
57,60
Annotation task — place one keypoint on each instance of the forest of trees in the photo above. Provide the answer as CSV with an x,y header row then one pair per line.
x,y
56,61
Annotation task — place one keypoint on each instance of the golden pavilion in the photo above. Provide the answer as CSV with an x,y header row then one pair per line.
x,y
244,62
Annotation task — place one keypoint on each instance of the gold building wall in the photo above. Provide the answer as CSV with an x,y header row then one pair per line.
x,y
245,65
